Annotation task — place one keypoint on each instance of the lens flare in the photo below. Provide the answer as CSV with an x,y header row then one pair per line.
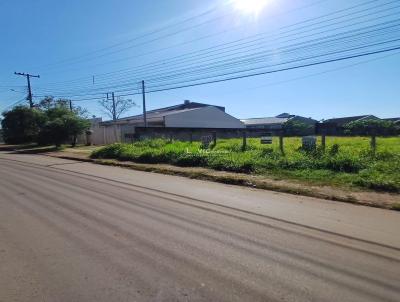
x,y
250,7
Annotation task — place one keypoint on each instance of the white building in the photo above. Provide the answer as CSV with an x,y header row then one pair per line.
x,y
188,115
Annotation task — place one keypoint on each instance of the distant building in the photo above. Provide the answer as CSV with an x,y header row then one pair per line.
x,y
276,123
335,126
186,115
339,122
187,119
395,120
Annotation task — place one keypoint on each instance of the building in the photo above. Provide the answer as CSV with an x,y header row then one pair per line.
x,y
335,126
395,120
276,123
186,115
340,122
187,119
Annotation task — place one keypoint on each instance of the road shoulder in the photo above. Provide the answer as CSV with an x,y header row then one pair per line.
x,y
382,200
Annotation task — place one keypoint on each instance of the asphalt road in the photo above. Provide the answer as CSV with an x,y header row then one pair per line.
x,y
80,232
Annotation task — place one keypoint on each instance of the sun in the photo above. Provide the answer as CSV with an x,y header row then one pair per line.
x,y
250,7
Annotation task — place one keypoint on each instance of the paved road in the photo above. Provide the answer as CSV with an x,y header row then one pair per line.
x,y
80,232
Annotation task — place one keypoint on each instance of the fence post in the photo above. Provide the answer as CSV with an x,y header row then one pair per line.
x,y
373,143
281,148
244,145
323,141
214,135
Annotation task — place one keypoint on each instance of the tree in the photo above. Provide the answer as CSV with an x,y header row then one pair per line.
x,y
121,106
293,127
49,102
371,127
61,125
22,125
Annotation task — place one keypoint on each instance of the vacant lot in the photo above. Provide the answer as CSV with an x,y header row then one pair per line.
x,y
346,162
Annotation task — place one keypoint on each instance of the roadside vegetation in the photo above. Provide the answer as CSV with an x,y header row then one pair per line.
x,y
347,161
51,122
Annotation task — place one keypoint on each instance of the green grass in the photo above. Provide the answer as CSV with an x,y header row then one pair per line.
x,y
347,161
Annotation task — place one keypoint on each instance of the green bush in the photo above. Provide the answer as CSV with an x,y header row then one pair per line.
x,y
350,164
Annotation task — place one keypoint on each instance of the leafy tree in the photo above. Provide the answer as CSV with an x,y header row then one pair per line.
x,y
61,125
49,102
22,125
50,122
293,127
371,126
121,106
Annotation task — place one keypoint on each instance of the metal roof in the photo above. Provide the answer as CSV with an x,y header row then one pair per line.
x,y
348,119
158,114
265,121
153,116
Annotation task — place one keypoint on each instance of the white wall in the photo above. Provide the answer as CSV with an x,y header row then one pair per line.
x,y
206,117
106,135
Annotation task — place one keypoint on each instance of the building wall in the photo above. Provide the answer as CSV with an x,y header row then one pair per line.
x,y
207,117
104,135
276,128
192,134
272,127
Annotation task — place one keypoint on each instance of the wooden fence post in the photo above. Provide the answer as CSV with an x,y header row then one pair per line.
x,y
244,144
281,148
323,141
214,138
373,143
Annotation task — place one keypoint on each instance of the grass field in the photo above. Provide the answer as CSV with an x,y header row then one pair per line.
x,y
347,161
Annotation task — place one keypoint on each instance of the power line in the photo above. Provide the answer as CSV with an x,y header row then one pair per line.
x,y
151,33
304,47
321,73
278,70
13,104
216,47
205,82
341,46
295,9
28,78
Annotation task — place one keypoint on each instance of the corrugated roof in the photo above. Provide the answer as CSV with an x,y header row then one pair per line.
x,y
158,114
348,119
265,121
154,116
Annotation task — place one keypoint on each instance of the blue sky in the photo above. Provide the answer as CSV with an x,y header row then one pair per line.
x,y
45,37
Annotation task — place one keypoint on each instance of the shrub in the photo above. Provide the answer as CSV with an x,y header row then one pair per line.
x,y
110,151
351,164
22,125
334,150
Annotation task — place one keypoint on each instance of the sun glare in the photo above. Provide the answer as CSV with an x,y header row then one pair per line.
x,y
250,7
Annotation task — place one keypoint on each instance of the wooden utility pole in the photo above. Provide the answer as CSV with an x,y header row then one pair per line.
x,y
144,104
28,77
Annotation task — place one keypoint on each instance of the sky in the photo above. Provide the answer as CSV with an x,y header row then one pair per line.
x,y
67,42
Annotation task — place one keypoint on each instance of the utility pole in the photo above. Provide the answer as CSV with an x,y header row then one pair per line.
x,y
114,109
144,105
28,77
